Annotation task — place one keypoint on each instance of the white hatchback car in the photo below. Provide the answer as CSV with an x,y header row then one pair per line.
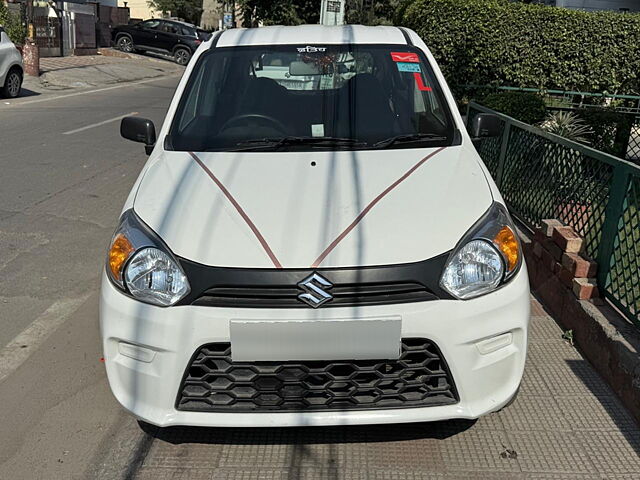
x,y
325,252
11,70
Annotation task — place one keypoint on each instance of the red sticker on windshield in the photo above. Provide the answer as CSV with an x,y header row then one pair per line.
x,y
405,57
420,84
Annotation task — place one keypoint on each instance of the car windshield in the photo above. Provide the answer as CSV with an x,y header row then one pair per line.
x,y
309,97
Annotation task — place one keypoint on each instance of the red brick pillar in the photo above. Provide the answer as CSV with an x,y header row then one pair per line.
x,y
31,58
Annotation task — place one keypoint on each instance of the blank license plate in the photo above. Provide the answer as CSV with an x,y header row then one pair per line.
x,y
280,340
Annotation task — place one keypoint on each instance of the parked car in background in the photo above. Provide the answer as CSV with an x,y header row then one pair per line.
x,y
11,70
169,37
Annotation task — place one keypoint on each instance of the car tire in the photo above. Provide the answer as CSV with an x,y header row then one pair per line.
x,y
125,43
12,83
181,56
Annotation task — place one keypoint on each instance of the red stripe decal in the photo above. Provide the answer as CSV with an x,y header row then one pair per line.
x,y
405,57
368,208
420,83
242,213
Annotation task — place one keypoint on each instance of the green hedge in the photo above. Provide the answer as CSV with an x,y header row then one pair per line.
x,y
526,107
12,25
482,42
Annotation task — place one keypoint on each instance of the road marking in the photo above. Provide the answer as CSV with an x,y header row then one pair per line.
x,y
87,92
94,125
32,337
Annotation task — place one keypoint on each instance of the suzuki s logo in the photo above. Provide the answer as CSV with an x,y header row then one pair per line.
x,y
315,287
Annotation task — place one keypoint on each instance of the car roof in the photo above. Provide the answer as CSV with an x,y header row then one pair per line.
x,y
312,35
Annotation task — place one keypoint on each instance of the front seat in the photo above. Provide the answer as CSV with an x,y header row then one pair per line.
x,y
363,110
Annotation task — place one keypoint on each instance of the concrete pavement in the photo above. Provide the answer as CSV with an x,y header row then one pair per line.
x,y
64,73
65,175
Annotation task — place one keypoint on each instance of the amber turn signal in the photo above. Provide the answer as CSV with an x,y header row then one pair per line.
x,y
120,251
507,243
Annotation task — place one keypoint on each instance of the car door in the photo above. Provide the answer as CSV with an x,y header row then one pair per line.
x,y
5,45
167,36
145,34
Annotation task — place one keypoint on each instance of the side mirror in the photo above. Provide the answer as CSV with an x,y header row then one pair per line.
x,y
485,125
139,130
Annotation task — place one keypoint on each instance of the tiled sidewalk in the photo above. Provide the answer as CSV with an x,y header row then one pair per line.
x,y
565,424
50,64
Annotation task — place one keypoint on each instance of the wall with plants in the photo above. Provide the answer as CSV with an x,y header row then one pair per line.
x,y
499,42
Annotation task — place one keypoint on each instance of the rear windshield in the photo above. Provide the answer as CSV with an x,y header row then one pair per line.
x,y
308,97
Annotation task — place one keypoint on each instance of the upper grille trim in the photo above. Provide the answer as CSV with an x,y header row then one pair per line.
x,y
283,296
278,288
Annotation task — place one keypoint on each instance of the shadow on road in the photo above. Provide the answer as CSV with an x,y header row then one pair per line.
x,y
24,92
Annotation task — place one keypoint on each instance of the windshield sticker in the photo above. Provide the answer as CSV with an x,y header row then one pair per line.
x,y
408,67
309,49
405,57
317,130
420,84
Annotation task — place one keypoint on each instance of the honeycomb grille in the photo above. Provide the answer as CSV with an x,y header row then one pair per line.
x,y
214,383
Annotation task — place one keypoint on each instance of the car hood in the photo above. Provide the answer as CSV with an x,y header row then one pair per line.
x,y
301,209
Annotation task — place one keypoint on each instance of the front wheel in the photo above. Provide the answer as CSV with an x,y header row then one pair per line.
x,y
12,84
182,56
125,44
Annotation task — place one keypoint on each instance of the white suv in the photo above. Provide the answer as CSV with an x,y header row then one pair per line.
x,y
11,71
324,252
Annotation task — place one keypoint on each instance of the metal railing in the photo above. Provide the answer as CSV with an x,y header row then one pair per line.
x,y
542,175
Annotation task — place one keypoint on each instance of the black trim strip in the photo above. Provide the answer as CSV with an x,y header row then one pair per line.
x,y
426,273
214,42
406,36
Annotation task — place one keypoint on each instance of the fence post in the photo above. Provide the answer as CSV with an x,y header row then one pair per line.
x,y
612,216
503,152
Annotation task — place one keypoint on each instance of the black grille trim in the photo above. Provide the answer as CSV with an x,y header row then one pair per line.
x,y
277,288
287,297
213,383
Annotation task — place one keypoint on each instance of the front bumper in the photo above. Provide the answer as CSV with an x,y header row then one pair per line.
x,y
147,350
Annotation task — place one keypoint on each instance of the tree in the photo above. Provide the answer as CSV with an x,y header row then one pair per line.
x,y
12,25
282,12
374,12
188,10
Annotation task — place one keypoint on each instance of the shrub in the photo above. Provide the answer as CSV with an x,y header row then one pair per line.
x,y
611,129
12,25
526,107
567,125
498,42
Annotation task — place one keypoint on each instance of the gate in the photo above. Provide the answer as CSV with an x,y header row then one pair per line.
x,y
109,17
47,33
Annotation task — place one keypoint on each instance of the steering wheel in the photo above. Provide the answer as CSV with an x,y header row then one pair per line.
x,y
256,116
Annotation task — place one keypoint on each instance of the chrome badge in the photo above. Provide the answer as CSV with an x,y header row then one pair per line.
x,y
315,287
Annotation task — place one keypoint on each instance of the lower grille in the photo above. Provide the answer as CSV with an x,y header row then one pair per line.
x,y
213,383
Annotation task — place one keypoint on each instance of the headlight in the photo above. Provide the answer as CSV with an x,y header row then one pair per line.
x,y
488,255
152,276
141,265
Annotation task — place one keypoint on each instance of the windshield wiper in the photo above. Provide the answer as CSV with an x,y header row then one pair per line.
x,y
284,141
409,138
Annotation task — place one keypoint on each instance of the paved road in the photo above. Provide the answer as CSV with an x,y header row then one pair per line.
x,y
60,197
61,189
